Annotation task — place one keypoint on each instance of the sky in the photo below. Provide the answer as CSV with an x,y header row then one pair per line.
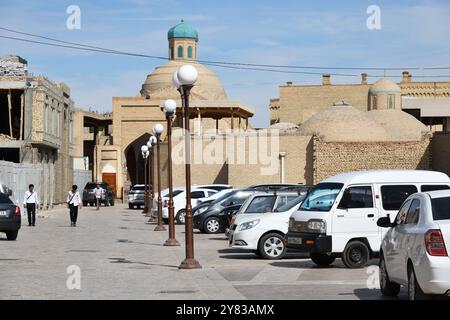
x,y
308,33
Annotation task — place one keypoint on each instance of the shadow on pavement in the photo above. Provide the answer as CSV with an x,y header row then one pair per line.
x,y
124,260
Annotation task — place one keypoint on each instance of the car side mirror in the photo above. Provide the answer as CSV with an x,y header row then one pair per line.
x,y
385,222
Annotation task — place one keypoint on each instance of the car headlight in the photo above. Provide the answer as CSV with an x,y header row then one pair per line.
x,y
317,225
200,210
248,225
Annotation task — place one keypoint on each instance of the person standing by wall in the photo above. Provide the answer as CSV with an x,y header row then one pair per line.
x,y
74,203
31,203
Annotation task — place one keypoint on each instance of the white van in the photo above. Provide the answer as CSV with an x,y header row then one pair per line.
x,y
338,218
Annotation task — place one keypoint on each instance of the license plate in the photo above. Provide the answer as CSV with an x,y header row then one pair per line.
x,y
3,213
295,240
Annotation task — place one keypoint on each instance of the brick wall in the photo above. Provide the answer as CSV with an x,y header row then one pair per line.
x,y
331,158
441,152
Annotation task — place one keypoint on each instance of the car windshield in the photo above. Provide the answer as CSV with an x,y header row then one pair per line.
x,y
290,204
321,197
4,198
441,208
223,197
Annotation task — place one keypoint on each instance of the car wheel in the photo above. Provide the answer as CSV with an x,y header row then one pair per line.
x,y
91,204
12,235
355,255
388,288
165,220
84,203
212,225
181,216
322,259
272,246
414,290
111,203
130,206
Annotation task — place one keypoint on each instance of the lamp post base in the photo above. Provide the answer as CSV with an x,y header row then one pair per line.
x,y
171,243
190,264
160,227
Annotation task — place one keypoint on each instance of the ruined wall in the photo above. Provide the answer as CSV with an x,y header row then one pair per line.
x,y
331,158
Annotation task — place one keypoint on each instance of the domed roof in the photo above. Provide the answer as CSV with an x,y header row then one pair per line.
x,y
344,123
284,126
399,124
182,30
385,85
158,84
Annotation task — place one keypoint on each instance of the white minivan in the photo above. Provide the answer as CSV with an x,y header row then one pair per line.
x,y
338,217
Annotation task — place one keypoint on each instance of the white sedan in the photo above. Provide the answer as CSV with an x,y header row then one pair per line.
x,y
414,250
264,233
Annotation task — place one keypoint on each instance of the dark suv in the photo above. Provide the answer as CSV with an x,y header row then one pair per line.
x,y
10,217
89,196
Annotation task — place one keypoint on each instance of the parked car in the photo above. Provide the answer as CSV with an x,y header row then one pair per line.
x,y
264,232
216,186
179,202
10,217
272,186
4,189
214,212
414,250
338,216
214,197
136,197
89,195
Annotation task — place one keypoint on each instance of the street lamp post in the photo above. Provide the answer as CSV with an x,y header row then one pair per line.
x,y
184,80
169,109
151,189
145,153
157,130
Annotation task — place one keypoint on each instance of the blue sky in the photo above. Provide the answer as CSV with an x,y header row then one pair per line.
x,y
324,33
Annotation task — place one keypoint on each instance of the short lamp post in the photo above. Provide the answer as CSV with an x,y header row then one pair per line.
x,y
145,154
169,109
157,130
184,80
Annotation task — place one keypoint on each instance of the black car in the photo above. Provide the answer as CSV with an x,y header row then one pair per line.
x,y
213,214
10,217
273,186
89,196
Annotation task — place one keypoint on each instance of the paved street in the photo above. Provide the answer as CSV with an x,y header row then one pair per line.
x,y
121,257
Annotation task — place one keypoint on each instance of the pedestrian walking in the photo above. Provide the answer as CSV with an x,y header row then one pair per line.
x,y
74,203
98,192
31,203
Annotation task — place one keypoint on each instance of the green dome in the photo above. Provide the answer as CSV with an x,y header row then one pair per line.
x,y
182,30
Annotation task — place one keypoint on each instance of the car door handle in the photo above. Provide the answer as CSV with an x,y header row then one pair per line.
x,y
371,215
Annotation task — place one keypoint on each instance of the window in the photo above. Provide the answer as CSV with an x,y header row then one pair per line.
x,y
4,198
391,101
282,200
413,213
357,197
238,198
189,52
197,194
261,204
180,52
171,53
210,193
440,208
321,197
426,188
290,204
374,102
401,215
393,196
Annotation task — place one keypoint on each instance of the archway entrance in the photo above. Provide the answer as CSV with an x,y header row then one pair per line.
x,y
135,162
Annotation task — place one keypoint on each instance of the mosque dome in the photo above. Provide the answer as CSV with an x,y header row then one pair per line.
x,y
158,84
399,124
182,30
385,85
344,123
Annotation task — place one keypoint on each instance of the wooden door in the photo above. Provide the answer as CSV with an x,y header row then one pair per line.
x,y
110,179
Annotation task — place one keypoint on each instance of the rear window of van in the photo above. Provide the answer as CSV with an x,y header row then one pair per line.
x,y
441,208
431,187
394,196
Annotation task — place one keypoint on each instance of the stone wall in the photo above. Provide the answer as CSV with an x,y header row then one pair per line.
x,y
331,158
441,152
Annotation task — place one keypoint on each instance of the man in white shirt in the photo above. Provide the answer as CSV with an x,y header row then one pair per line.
x,y
74,202
31,203
98,192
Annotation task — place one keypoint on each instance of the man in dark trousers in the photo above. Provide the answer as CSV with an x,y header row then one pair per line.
x,y
74,202
31,203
